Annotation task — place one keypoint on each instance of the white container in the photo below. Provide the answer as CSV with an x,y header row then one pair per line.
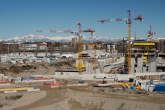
x,y
151,88
13,91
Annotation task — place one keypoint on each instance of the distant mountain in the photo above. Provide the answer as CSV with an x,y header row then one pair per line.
x,y
102,39
41,38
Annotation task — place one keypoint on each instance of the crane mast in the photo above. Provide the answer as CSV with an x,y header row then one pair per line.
x,y
80,64
129,47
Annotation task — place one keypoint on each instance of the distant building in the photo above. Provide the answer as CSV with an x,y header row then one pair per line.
x,y
162,45
110,47
42,46
75,44
28,46
9,47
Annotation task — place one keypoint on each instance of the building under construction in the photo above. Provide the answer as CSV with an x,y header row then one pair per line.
x,y
145,57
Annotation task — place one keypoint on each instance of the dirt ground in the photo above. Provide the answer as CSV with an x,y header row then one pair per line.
x,y
19,70
89,98
92,99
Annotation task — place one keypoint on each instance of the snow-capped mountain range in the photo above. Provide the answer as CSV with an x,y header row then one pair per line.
x,y
41,38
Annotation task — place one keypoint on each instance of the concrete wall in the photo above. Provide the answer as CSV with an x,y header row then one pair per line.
x,y
71,75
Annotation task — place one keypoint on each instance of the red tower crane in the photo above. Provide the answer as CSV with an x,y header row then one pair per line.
x,y
80,65
129,22
150,33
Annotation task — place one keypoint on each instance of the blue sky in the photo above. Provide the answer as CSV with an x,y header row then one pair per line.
x,y
21,17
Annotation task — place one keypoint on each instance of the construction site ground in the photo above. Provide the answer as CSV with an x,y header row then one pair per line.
x,y
74,98
84,98
21,70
